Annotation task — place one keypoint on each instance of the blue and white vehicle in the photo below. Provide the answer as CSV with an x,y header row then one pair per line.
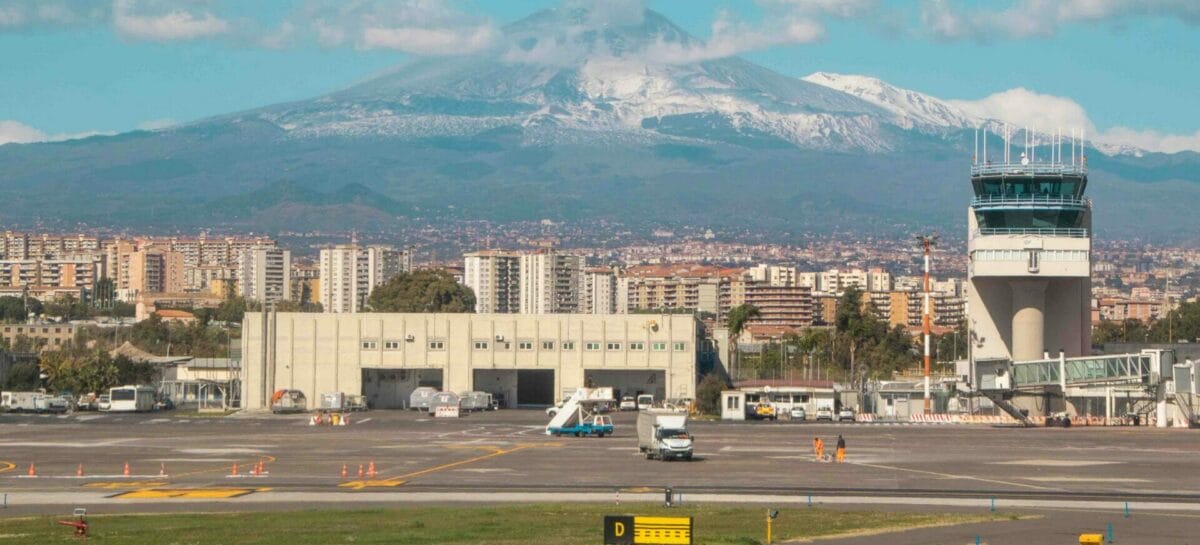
x,y
597,425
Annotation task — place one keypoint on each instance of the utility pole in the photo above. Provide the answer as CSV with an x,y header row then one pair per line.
x,y
927,242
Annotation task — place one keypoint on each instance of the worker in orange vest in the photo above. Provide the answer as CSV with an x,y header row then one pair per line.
x,y
841,450
819,446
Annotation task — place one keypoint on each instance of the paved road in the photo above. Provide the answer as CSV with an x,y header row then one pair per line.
x,y
503,456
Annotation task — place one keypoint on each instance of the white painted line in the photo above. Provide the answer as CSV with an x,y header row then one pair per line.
x,y
1055,463
363,421
1084,480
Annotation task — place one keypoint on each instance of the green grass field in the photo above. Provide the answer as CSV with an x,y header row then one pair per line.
x,y
469,525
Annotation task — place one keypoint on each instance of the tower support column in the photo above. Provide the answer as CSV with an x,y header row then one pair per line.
x,y
1028,319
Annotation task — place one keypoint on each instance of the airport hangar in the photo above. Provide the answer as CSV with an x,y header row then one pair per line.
x,y
521,359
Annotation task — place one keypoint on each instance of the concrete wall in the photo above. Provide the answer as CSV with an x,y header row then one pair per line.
x,y
318,353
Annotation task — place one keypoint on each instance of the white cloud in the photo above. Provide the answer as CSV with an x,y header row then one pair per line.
x,y
1152,140
730,37
1041,18
430,41
25,13
156,124
162,22
1025,108
15,132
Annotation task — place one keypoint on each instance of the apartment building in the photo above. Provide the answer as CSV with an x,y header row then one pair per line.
x,y
788,307
699,288
47,278
774,275
495,277
22,246
599,292
348,273
265,274
550,282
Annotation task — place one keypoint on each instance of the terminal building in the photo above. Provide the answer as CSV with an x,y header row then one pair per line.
x,y
522,360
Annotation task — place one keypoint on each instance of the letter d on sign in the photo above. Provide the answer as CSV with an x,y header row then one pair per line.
x,y
618,530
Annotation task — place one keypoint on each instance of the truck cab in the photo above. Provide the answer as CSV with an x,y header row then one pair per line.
x,y
645,401
664,436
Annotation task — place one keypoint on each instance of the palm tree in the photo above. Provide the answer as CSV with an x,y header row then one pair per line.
x,y
738,317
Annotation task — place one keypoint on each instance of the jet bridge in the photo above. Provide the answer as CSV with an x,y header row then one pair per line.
x,y
1002,381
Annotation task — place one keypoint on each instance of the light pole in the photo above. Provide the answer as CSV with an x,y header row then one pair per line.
x,y
926,322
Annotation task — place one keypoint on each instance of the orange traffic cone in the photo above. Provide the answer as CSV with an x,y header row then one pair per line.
x,y
79,471
162,470
32,470
233,472
344,472
371,470
126,471
262,467
360,471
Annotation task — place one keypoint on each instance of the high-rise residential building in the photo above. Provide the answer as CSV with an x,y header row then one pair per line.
x,y
775,275
348,273
789,307
599,292
50,277
1029,257
18,246
700,288
495,277
151,270
550,282
265,273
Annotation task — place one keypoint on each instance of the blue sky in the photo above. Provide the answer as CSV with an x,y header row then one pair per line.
x,y
1126,68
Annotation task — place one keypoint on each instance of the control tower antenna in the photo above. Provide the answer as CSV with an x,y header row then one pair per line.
x,y
927,243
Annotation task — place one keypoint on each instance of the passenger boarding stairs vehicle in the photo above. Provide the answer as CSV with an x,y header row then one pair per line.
x,y
1147,374
580,413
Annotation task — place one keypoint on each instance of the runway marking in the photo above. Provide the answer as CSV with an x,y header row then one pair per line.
x,y
115,485
365,420
187,493
953,476
401,479
1085,480
7,466
1055,463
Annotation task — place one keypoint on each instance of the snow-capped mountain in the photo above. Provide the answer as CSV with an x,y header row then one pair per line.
x,y
567,118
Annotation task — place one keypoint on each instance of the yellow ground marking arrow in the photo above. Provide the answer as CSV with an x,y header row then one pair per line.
x,y
401,479
185,493
124,484
7,466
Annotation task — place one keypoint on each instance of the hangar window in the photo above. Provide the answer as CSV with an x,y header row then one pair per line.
x,y
524,345
370,345
591,346
547,345
680,347
481,345
614,346
637,346
437,345
568,345
391,345
658,347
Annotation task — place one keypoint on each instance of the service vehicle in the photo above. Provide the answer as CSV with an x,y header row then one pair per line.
x,y
103,403
797,413
131,399
19,402
288,401
765,411
598,426
664,436
628,403
645,401
846,415
824,413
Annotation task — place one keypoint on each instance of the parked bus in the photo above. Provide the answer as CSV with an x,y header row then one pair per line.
x,y
131,399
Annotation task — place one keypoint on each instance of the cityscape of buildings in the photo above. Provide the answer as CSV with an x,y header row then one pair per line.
x,y
794,287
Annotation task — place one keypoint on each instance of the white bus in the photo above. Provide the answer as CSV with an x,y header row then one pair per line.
x,y
131,399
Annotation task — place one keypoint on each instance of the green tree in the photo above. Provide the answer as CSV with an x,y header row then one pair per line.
x,y
12,309
708,393
426,290
738,317
67,307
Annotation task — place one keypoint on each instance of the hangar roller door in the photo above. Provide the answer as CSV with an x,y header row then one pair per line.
x,y
517,387
391,388
629,383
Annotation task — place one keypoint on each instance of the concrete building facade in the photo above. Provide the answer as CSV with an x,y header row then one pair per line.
x,y
551,282
521,359
495,277
265,274
599,293
348,273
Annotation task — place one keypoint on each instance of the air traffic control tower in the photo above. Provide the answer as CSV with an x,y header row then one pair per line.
x,y
1029,254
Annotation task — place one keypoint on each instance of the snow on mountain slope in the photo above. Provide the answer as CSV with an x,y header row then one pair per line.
x,y
911,107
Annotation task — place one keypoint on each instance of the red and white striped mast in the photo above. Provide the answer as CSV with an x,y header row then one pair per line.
x,y
926,315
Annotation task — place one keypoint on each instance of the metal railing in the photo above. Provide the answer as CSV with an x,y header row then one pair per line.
x,y
1120,368
1031,201
1031,169
1070,232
